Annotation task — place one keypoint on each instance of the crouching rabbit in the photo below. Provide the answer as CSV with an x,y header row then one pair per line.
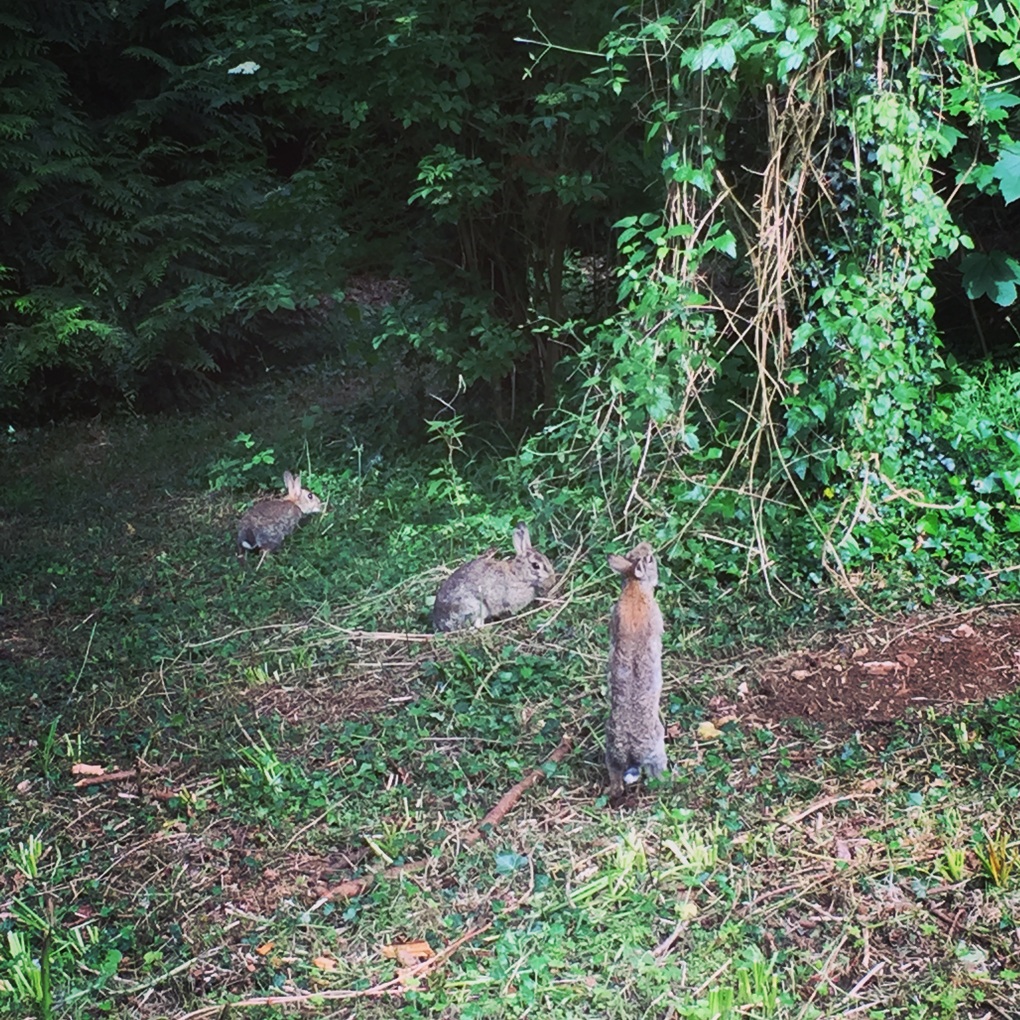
x,y
486,587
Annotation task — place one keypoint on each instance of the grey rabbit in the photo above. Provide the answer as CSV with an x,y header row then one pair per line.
x,y
268,523
486,587
635,738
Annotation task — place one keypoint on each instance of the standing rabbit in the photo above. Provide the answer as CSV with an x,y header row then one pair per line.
x,y
268,523
635,738
487,587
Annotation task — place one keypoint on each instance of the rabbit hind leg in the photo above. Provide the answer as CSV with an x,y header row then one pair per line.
x,y
617,779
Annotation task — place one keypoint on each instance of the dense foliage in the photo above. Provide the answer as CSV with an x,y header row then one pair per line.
x,y
172,177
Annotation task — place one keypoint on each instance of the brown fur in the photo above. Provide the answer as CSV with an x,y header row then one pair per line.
x,y
265,525
486,587
635,738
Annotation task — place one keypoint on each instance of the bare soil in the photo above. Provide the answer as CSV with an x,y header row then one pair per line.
x,y
881,673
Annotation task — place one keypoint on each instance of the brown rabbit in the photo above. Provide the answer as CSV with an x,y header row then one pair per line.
x,y
486,587
635,738
268,523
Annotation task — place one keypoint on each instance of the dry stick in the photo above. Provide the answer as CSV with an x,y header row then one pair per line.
x,y
641,467
823,976
313,822
152,982
356,886
664,947
864,980
991,1005
395,986
821,804
239,630
109,777
380,635
513,795
704,984
927,624
564,600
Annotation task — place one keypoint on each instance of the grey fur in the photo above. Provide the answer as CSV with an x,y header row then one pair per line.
x,y
486,587
635,738
268,523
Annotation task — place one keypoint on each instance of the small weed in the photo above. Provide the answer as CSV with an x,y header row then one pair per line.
x,y
48,957
952,864
236,472
998,857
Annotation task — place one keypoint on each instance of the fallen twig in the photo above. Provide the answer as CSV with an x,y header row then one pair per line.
x,y
864,980
822,804
356,886
381,635
108,777
507,801
667,943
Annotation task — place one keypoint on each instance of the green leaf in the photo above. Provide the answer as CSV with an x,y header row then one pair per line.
x,y
947,138
994,273
724,26
999,100
1007,170
770,21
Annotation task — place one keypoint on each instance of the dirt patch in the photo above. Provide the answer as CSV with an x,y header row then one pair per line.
x,y
326,702
881,673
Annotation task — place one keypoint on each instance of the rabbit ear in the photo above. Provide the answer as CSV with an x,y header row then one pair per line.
x,y
293,483
620,564
522,540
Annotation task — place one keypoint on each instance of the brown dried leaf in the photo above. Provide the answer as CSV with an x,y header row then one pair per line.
x,y
707,731
324,963
964,630
81,769
907,660
720,705
265,948
407,954
880,668
801,674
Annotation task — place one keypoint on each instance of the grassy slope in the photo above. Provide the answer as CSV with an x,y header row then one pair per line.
x,y
278,754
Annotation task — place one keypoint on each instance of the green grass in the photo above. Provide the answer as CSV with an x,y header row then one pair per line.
x,y
285,737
